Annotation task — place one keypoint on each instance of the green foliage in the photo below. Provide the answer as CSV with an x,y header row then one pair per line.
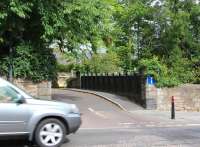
x,y
20,8
164,38
31,63
124,56
78,22
65,68
158,70
101,63
168,76
38,23
196,72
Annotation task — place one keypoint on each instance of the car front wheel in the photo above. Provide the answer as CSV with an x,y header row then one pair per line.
x,y
50,133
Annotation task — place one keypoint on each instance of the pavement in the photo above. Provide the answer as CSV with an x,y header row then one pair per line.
x,y
158,118
120,101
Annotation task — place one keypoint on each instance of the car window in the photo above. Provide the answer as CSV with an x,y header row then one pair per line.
x,y
8,94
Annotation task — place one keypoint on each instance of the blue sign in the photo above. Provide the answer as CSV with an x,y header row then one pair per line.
x,y
150,80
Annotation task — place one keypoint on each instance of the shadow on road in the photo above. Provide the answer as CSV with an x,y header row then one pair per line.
x,y
19,143
15,143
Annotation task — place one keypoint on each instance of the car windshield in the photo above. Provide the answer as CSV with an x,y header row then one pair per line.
x,y
8,94
25,94
5,85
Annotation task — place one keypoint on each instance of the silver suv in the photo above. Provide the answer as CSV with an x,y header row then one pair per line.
x,y
45,122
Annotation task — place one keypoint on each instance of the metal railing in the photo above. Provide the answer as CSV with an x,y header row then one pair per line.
x,y
130,85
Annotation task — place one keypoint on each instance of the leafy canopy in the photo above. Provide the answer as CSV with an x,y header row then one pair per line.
x,y
30,27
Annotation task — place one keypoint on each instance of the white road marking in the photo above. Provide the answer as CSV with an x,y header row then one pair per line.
x,y
193,125
90,109
127,123
150,125
108,128
141,126
97,113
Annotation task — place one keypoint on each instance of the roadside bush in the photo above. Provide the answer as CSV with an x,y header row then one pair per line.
x,y
101,63
31,62
64,68
180,72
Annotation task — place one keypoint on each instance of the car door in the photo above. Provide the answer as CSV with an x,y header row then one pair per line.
x,y
13,116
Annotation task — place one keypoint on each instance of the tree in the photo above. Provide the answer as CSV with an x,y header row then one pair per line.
x,y
168,32
36,24
133,30
101,63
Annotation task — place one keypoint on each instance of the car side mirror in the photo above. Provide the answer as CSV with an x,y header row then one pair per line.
x,y
20,99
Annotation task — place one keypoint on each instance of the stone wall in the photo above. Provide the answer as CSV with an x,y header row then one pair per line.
x,y
40,90
187,97
151,97
64,79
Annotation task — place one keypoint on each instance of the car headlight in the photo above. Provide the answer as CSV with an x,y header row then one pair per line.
x,y
74,109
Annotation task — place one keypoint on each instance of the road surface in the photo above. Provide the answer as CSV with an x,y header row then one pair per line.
x,y
105,125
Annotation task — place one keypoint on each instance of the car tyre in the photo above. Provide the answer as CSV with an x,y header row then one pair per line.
x,y
50,133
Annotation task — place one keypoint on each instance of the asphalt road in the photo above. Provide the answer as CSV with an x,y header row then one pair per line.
x,y
105,125
128,137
